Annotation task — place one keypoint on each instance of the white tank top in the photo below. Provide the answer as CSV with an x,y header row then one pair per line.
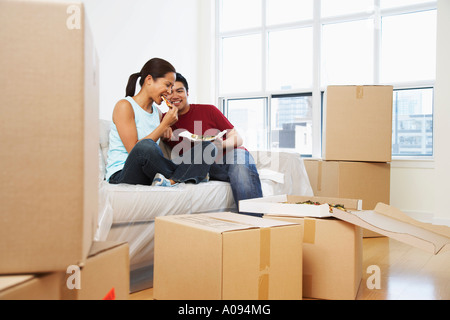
x,y
146,123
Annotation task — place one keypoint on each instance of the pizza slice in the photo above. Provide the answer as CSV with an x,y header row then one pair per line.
x,y
167,102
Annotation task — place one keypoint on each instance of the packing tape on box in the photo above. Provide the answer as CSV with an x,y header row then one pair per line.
x,y
319,176
264,264
359,92
309,231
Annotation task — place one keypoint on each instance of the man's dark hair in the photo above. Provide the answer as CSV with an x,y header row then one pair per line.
x,y
183,80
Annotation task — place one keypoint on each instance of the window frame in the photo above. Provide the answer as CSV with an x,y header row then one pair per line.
x,y
317,88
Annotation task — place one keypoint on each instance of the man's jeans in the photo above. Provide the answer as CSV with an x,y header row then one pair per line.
x,y
146,160
238,168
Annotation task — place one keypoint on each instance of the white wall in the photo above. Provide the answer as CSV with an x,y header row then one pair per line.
x,y
206,46
128,33
412,187
442,116
422,189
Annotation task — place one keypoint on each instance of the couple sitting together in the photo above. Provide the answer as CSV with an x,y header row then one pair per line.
x,y
134,155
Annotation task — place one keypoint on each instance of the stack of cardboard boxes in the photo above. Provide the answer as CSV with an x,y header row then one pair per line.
x,y
49,164
356,146
355,174
356,166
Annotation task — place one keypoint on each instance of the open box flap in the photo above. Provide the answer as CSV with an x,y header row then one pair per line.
x,y
395,224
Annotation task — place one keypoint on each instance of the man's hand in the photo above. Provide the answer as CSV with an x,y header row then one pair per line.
x,y
167,135
233,140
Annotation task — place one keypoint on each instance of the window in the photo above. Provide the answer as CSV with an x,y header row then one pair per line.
x,y
347,55
387,4
238,15
290,62
291,123
250,120
345,7
275,58
288,11
241,58
404,38
412,133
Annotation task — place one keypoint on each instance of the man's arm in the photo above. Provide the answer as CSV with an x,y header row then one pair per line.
x,y
233,140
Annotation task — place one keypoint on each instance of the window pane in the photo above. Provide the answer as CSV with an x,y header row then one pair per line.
x,y
347,53
386,4
248,117
292,123
237,14
409,47
335,8
285,11
290,59
241,64
412,133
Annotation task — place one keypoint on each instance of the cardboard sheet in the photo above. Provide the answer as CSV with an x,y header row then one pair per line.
x,y
395,224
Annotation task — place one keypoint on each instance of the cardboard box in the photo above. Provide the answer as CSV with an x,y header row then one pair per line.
x,y
49,127
367,181
332,257
107,270
332,249
358,123
227,256
30,287
332,246
290,205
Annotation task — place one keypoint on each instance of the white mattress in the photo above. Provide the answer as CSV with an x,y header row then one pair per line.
x,y
140,237
132,203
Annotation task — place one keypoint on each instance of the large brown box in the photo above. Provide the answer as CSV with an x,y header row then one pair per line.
x,y
332,249
358,123
106,272
49,136
367,181
227,256
332,257
332,246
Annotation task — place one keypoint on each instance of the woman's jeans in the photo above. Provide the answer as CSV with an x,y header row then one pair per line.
x,y
146,160
238,168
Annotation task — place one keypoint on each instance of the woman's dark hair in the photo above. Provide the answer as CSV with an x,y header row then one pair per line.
x,y
155,67
183,80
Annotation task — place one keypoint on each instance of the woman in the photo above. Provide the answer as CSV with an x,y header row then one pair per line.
x,y
134,156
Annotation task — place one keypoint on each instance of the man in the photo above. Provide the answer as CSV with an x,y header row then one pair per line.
x,y
234,163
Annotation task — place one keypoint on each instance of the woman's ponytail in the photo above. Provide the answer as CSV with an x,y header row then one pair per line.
x,y
155,67
131,86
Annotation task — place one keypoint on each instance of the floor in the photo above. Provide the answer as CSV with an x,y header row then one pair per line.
x,y
406,273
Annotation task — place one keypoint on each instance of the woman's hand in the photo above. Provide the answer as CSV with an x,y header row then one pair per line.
x,y
171,117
